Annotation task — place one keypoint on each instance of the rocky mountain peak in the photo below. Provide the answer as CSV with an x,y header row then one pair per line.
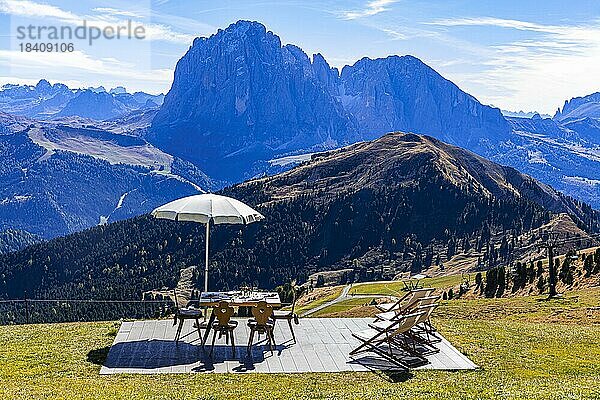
x,y
241,34
43,86
242,97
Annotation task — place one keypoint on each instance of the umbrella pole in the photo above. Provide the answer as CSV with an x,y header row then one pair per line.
x,y
206,257
206,265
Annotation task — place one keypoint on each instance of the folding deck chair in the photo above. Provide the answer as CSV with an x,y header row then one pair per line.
x,y
406,301
383,337
424,326
407,309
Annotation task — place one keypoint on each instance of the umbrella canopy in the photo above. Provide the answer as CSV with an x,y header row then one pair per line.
x,y
207,208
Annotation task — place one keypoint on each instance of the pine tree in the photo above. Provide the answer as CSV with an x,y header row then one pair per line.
x,y
541,284
491,283
501,281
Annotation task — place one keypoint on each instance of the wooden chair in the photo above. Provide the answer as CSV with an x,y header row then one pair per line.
x,y
185,313
261,324
223,325
288,315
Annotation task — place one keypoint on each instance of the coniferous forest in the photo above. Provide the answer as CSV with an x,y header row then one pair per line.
x,y
420,217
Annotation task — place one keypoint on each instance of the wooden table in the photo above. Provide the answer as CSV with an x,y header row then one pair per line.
x,y
235,299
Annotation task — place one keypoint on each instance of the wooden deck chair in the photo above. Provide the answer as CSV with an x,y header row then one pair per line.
x,y
405,301
410,308
390,334
261,324
424,326
224,325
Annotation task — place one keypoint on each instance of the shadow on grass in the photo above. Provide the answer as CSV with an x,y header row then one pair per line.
x,y
98,356
397,376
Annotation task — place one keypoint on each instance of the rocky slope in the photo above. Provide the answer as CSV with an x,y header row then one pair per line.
x,y
56,179
404,94
578,107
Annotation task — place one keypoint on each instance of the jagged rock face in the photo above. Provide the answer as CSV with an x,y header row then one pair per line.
x,y
402,93
240,96
580,107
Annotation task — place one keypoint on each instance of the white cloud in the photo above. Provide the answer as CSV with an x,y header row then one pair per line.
x,y
491,21
371,8
554,63
114,11
163,32
26,8
394,34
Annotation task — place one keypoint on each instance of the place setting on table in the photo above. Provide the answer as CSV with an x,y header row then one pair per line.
x,y
244,297
222,304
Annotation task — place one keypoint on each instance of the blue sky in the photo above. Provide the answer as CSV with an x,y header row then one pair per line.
x,y
517,55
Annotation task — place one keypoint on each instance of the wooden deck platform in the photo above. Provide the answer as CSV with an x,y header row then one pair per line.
x,y
324,344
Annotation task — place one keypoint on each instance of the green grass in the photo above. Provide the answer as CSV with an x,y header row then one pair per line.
x,y
335,292
572,308
397,288
527,349
343,306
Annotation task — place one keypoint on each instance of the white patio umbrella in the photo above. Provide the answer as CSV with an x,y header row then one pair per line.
x,y
207,208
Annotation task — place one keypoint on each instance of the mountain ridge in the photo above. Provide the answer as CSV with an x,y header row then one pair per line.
x,y
56,179
243,96
332,212
50,101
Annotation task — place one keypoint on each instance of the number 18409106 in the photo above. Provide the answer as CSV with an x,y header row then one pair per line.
x,y
46,47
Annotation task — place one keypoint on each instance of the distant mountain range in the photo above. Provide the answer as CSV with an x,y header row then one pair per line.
x,y
47,101
403,202
524,114
243,105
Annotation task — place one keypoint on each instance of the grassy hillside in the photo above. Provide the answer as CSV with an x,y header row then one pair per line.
x,y
395,288
402,202
526,348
